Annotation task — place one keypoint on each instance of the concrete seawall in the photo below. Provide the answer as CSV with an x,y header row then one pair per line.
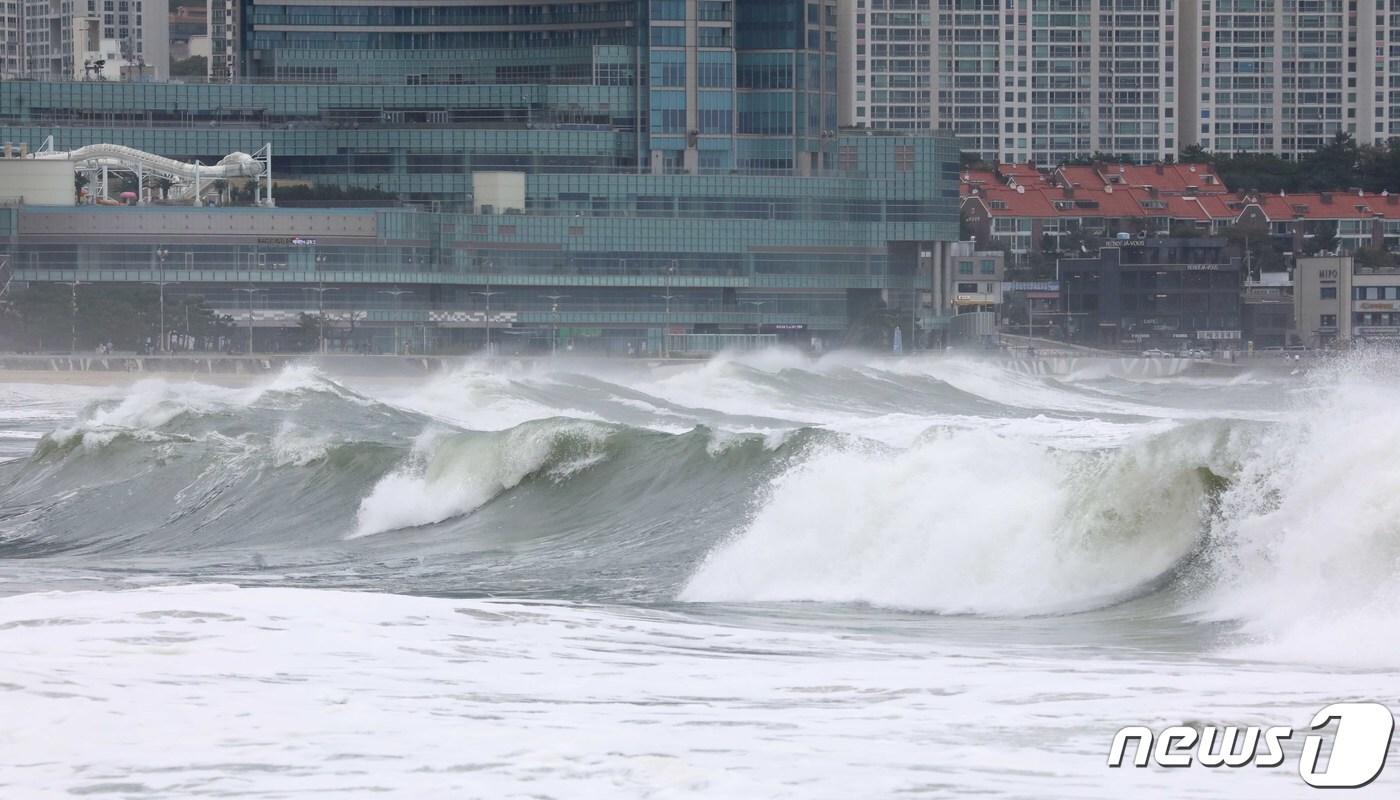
x,y
221,364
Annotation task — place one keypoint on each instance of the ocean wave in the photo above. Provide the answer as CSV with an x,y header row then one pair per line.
x,y
968,521
450,474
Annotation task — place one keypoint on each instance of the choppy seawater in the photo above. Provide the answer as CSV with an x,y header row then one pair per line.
x,y
764,576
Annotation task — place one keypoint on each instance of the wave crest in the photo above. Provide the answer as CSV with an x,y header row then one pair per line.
x,y
451,474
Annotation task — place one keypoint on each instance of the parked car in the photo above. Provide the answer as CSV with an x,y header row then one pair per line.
x,y
1155,353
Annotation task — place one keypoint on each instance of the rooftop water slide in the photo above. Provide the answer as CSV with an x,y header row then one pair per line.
x,y
186,179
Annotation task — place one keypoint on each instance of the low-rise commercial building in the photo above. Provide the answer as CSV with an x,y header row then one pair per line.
x,y
967,293
617,258
1338,302
1165,293
1267,317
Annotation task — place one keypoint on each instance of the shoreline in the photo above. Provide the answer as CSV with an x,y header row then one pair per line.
x,y
222,368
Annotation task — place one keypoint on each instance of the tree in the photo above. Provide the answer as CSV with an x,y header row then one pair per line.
x,y
1373,258
1333,166
1254,242
128,316
1323,240
1194,154
1080,242
192,67
318,195
1185,230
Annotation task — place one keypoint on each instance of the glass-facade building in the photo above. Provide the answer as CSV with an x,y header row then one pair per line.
x,y
679,154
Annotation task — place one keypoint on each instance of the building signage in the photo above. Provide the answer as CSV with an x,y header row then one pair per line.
x,y
1328,275
296,241
1374,306
1203,267
1217,335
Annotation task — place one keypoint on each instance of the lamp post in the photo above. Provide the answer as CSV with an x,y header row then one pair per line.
x,y
666,335
487,294
396,293
73,344
554,307
757,313
250,292
1069,307
321,313
161,253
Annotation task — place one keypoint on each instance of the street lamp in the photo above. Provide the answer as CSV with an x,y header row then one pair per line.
x,y
250,292
74,284
666,334
668,297
554,307
757,313
397,293
161,253
487,294
321,312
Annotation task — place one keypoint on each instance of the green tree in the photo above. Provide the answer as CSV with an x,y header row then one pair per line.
x,y
1186,230
42,317
1334,166
1323,239
192,67
1373,258
1253,242
1080,242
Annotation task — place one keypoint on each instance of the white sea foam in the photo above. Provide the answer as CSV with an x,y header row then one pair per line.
x,y
204,691
1308,546
451,474
966,521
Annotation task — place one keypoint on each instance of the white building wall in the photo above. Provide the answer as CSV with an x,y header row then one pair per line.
x,y
1019,80
1285,76
52,35
36,183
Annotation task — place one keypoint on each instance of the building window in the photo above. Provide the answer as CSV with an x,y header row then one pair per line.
x,y
1329,293
1329,320
964,267
989,267
903,157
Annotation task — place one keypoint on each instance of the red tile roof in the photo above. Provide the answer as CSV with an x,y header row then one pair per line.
x,y
1048,202
1327,205
1194,179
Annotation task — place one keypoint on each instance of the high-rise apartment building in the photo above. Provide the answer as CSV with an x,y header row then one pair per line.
x,y
1285,76
57,39
11,38
224,20
1018,80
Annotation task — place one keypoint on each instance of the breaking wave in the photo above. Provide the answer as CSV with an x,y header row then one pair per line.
x,y
970,522
952,486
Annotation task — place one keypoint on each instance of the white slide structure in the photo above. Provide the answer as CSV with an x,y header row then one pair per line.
x,y
186,179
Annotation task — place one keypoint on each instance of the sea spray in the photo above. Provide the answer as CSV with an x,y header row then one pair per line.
x,y
970,522
450,474
1306,547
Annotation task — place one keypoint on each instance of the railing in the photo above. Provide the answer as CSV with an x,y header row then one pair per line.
x,y
307,276
700,344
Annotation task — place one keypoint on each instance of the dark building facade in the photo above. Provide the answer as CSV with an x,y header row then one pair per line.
x,y
1166,293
